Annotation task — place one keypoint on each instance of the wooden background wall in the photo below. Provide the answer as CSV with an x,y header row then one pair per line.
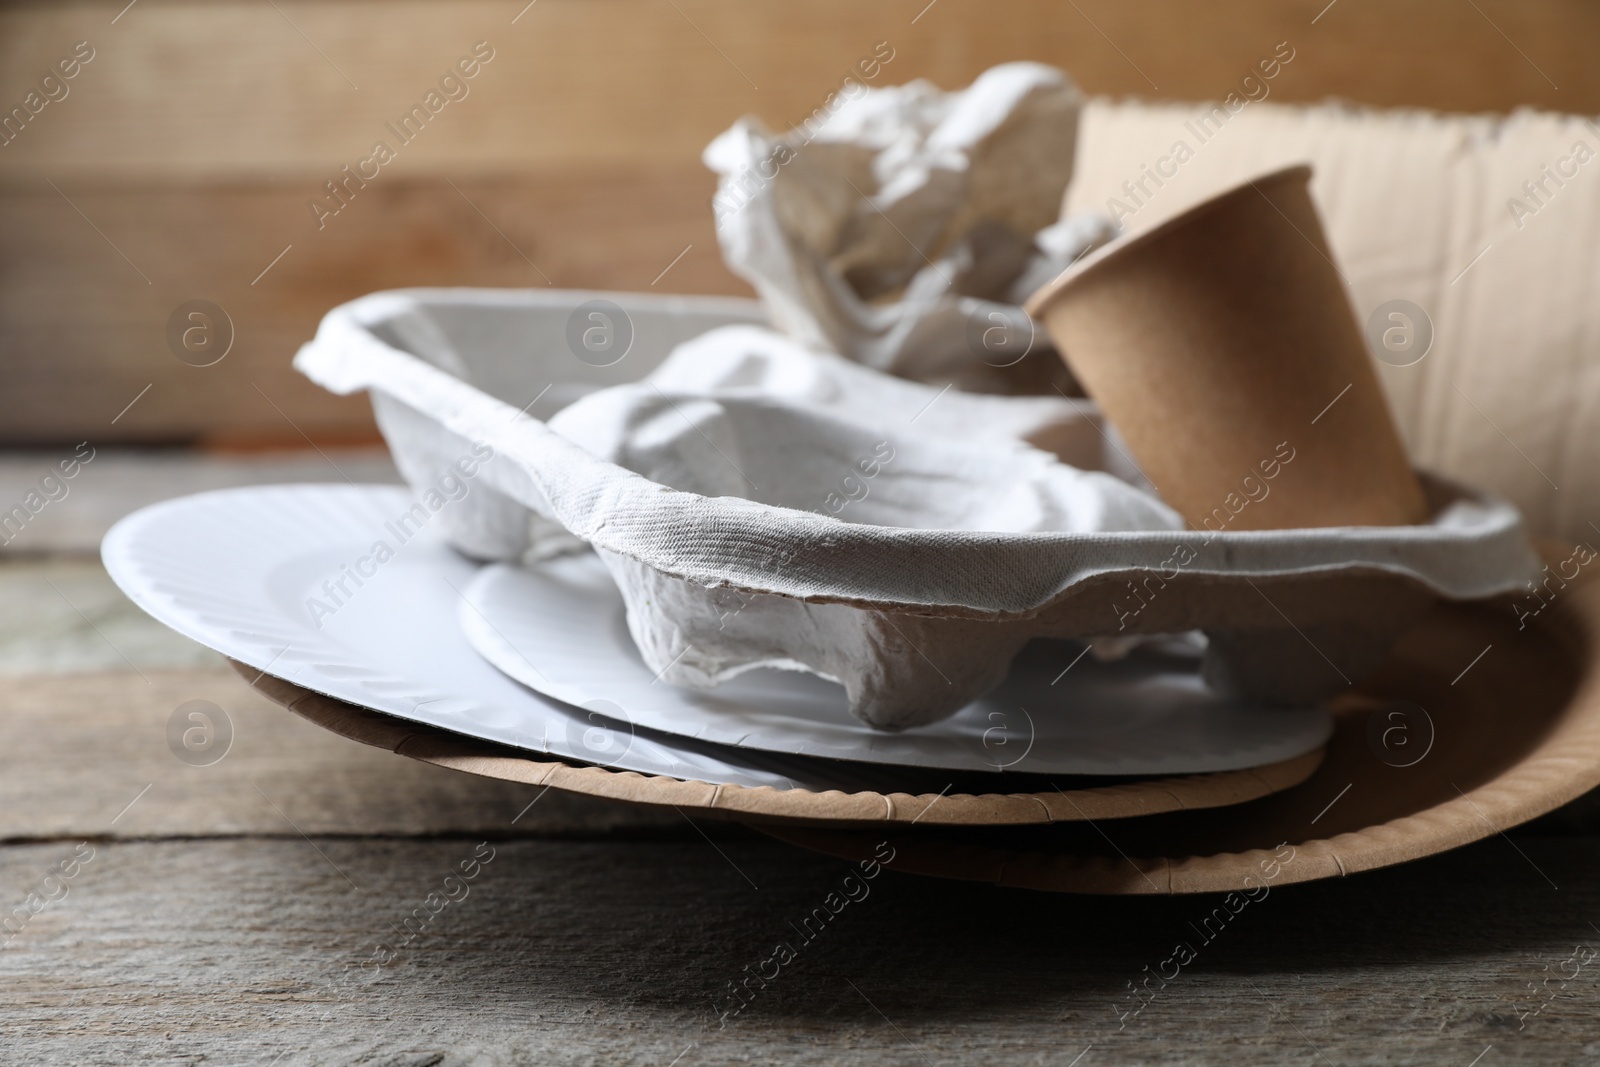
x,y
181,162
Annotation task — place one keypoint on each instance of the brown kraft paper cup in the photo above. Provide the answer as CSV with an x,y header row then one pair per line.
x,y
1222,345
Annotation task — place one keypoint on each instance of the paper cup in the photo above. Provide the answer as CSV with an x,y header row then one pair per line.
x,y
1223,347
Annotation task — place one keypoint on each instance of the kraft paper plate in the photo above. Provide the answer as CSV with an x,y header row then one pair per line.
x,y
1472,727
764,803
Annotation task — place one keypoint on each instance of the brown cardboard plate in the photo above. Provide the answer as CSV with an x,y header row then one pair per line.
x,y
792,806
1516,733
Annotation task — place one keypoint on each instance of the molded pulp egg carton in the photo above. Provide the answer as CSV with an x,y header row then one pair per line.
x,y
914,622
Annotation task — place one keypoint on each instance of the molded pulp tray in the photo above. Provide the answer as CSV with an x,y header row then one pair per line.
x,y
1293,614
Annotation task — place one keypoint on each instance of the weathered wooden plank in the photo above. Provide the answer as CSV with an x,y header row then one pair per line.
x,y
83,329
562,952
67,617
80,748
119,481
242,88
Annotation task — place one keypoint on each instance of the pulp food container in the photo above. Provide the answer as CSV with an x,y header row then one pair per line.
x,y
915,623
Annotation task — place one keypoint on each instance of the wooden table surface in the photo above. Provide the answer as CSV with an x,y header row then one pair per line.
x,y
275,908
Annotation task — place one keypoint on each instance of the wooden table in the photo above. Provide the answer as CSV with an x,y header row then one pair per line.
x,y
274,908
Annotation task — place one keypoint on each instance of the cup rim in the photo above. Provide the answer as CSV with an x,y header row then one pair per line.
x,y
1047,294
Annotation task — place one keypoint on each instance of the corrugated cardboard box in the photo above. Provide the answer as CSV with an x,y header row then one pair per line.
x,y
1490,225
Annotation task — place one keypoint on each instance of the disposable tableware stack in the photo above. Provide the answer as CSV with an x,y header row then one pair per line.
x,y
981,527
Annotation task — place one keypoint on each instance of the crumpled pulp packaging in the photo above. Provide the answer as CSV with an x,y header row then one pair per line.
x,y
903,230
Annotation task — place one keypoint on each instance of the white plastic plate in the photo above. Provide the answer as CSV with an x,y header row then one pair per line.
x,y
560,628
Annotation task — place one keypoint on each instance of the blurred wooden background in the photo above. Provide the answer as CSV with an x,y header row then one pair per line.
x,y
180,164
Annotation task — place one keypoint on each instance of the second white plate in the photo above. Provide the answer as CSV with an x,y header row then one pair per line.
x,y
560,629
